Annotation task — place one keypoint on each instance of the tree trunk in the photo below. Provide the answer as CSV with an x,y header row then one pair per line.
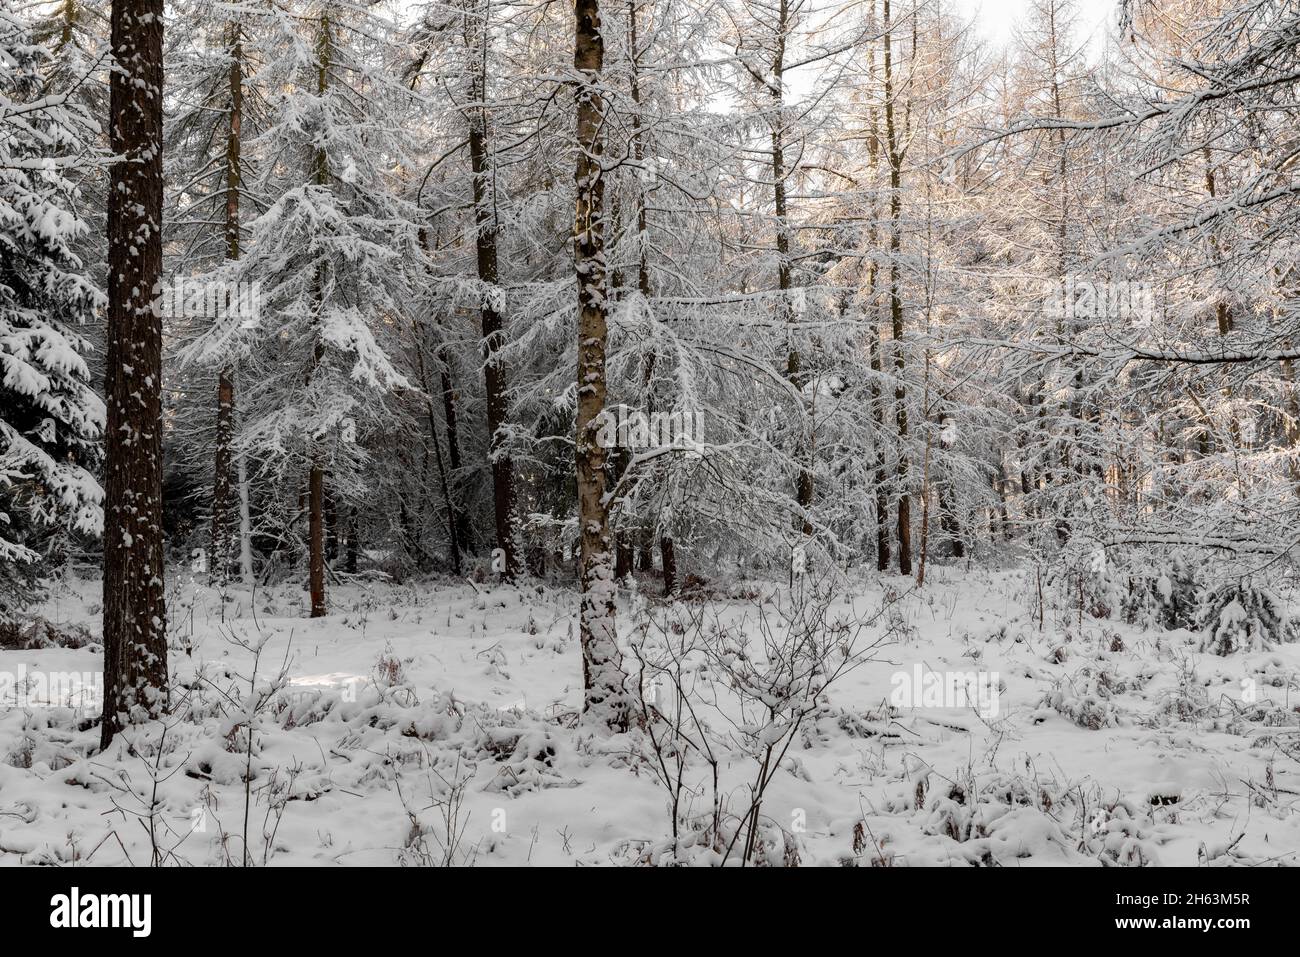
x,y
135,639
875,345
316,539
623,557
331,526
605,701
453,447
219,563
495,374
454,541
316,478
645,556
804,484
878,416
350,563
457,520
925,513
221,550
245,525
896,306
668,555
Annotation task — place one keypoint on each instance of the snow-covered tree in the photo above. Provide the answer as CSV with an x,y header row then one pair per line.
x,y
50,419
332,259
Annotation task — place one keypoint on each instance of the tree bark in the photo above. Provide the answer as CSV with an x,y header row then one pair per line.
x,y
316,539
606,707
316,477
135,640
804,484
495,375
221,464
454,543
875,346
896,305
245,524
457,520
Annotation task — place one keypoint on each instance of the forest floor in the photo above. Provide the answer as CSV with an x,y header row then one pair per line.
x,y
424,723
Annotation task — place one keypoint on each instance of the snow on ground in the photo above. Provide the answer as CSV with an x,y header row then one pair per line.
x,y
425,723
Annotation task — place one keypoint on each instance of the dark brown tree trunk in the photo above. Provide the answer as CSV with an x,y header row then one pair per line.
x,y
220,561
221,464
668,556
623,563
925,515
454,541
951,524
135,614
316,539
316,478
804,485
896,305
645,556
875,346
453,447
495,375
331,526
605,701
457,520
878,415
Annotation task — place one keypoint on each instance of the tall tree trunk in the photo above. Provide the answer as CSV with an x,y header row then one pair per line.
x,y
316,539
925,513
875,346
331,525
896,304
605,700
1222,312
135,614
221,550
495,375
449,399
316,477
245,524
623,555
951,524
668,557
452,510
1065,448
458,521
878,416
620,456
667,551
804,485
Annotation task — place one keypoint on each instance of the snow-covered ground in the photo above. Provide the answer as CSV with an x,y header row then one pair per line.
x,y
426,723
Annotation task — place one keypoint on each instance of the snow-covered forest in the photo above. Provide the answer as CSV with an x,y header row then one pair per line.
x,y
649,432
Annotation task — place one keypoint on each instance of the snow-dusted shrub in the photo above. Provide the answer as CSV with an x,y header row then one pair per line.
x,y
993,818
1084,697
1085,710
1187,700
716,693
1120,832
1167,596
37,632
527,758
1085,580
1243,615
